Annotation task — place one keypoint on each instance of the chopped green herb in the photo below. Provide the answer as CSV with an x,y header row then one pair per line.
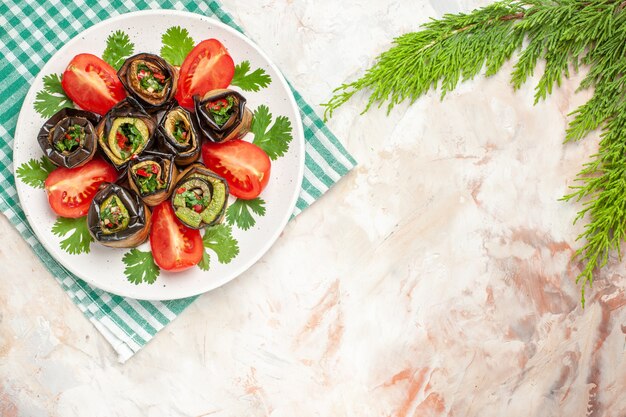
x,y
275,140
221,110
113,215
180,131
35,171
75,233
149,80
119,47
52,98
176,45
140,267
193,199
147,178
73,138
253,81
135,139
240,212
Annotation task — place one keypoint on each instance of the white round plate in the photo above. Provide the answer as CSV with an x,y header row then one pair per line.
x,y
102,266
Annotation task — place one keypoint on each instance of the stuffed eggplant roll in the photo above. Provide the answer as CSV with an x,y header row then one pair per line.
x,y
149,79
222,115
152,176
179,136
69,137
200,197
125,131
118,218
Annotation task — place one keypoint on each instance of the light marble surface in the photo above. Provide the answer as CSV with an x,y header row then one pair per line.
x,y
434,280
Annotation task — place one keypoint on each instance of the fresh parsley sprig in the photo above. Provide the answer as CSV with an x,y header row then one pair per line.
x,y
119,47
250,81
52,98
240,212
140,267
220,240
176,45
75,234
35,171
273,140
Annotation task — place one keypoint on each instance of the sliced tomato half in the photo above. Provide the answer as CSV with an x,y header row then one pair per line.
x,y
175,247
92,83
207,67
70,190
245,166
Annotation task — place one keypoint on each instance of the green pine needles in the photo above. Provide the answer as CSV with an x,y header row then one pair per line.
x,y
565,34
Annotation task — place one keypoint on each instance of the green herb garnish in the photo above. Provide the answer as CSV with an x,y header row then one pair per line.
x,y
275,140
35,171
75,234
140,267
240,212
119,47
253,81
220,240
176,45
52,98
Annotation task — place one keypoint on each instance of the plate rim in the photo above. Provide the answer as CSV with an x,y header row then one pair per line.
x,y
298,137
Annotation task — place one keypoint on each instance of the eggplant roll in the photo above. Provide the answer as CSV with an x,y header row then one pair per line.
x,y
152,176
125,131
222,115
149,79
118,218
178,135
69,137
200,197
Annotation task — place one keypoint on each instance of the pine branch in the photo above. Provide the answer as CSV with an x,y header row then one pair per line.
x,y
565,34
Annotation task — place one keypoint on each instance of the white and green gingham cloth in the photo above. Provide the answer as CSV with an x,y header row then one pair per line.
x,y
30,32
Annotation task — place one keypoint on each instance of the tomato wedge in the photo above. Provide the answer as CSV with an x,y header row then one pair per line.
x,y
245,166
92,84
70,190
175,247
207,67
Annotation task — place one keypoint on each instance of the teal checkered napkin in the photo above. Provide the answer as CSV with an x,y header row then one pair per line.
x,y
32,32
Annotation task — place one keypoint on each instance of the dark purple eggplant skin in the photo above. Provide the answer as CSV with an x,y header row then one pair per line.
x,y
183,154
57,125
138,226
211,130
129,107
150,104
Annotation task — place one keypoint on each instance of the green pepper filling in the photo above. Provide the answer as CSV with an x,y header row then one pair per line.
x,y
221,110
148,178
180,132
113,215
129,138
73,138
149,80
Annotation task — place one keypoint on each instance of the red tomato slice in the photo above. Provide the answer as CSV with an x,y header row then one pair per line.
x,y
70,190
245,166
207,67
92,84
175,247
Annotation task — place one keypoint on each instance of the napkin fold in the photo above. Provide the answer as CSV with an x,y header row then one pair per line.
x,y
36,30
